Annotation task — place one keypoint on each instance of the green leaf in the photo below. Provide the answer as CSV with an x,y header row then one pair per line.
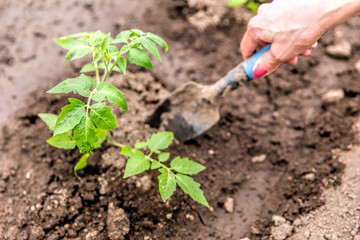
x,y
160,140
96,38
70,116
101,136
63,141
78,52
155,165
80,85
158,40
236,3
81,164
192,188
186,166
167,184
85,135
49,119
102,117
127,151
112,94
124,49
139,57
121,62
68,43
113,50
87,68
253,6
105,42
140,145
137,163
92,81
122,37
151,47
163,157
137,32
97,56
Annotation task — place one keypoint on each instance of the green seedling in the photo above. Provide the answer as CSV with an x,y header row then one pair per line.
x,y
85,125
249,4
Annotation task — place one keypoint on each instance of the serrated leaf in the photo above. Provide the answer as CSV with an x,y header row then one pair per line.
x,y
167,184
192,188
81,164
102,117
112,49
160,140
96,38
137,32
49,119
68,43
97,56
124,49
112,94
151,47
139,57
78,52
158,40
85,135
105,42
127,151
137,163
140,145
92,81
87,68
186,166
78,85
122,63
63,141
122,37
163,157
101,135
70,116
155,165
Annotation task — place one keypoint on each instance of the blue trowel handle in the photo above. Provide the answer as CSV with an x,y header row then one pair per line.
x,y
240,74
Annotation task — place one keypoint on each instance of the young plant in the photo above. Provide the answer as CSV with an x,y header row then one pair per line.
x,y
139,162
85,124
249,4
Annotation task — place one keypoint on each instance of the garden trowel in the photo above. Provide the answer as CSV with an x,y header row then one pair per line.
x,y
194,108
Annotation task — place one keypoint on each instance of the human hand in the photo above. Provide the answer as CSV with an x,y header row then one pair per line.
x,y
292,28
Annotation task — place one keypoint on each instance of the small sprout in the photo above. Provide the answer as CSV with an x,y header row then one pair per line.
x,y
331,180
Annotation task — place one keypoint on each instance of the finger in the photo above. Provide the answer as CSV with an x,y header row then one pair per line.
x,y
248,46
307,53
293,61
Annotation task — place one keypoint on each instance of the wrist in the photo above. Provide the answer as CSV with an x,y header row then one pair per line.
x,y
338,11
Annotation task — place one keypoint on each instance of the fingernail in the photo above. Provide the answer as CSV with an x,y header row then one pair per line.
x,y
259,71
307,53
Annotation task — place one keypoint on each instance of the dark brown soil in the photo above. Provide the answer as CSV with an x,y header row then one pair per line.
x,y
282,116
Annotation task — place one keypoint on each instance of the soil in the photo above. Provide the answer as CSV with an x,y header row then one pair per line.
x,y
272,153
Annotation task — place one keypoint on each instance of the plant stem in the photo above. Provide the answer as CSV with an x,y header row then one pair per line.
x,y
116,144
97,72
89,100
108,72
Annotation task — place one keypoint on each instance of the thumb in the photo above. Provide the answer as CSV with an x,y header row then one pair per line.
x,y
266,65
269,62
